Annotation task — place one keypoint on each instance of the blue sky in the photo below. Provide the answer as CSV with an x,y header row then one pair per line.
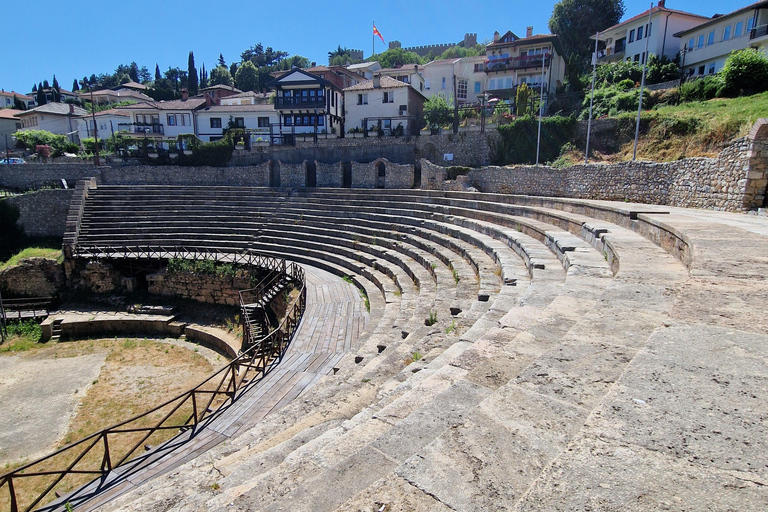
x,y
71,40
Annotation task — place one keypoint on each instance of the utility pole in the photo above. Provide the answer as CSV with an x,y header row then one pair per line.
x,y
642,86
95,132
591,99
455,107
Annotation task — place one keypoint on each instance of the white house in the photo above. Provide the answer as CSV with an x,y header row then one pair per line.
x,y
704,48
9,124
107,123
469,73
408,73
105,96
627,40
511,61
306,104
58,118
366,69
247,98
6,99
256,119
385,103
163,120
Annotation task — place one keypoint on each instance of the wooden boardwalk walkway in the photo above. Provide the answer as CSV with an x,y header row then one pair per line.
x,y
335,316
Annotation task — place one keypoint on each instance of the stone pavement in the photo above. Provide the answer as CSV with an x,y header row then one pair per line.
x,y
643,390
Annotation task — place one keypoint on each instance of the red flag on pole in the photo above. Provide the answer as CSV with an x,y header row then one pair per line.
x,y
377,33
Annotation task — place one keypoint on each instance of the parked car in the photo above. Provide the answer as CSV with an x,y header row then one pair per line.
x,y
12,160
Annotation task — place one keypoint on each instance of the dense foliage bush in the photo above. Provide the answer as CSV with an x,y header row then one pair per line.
x,y
59,144
744,73
517,141
613,101
700,89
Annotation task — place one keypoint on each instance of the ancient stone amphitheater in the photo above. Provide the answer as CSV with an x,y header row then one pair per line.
x,y
519,353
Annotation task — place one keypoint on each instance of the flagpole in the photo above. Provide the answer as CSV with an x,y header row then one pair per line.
x,y
373,39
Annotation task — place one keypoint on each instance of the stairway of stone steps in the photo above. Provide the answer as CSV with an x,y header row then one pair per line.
x,y
395,416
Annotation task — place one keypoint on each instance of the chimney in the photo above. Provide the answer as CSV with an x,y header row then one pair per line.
x,y
71,109
528,31
377,81
314,64
496,37
662,2
184,94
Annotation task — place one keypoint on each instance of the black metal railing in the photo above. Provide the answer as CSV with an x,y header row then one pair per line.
x,y
527,61
142,128
164,426
300,102
758,32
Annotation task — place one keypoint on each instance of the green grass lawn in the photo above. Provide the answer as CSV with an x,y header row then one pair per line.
x,y
45,250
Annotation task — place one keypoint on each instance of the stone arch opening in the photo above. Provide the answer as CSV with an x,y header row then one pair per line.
x,y
416,175
310,169
346,174
274,173
381,174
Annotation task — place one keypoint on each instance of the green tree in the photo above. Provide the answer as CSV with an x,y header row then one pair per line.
x,y
438,111
191,74
222,62
133,71
203,77
18,104
395,57
158,76
56,90
745,72
522,98
75,85
341,57
144,75
247,77
575,21
220,75
40,96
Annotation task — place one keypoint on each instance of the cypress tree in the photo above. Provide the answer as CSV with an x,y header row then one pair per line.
x,y
75,85
192,75
56,90
221,61
40,95
46,85
34,87
158,76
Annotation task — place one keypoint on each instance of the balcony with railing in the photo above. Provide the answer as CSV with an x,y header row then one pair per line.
x,y
612,53
760,31
522,62
303,102
145,128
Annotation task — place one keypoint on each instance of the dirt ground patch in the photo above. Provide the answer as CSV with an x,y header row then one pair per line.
x,y
57,393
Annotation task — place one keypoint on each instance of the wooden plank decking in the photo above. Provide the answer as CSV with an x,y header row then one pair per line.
x,y
335,316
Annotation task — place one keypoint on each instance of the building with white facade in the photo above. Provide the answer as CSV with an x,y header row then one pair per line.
x,y
366,69
385,103
511,61
6,99
106,123
407,73
468,73
307,104
163,120
256,119
9,124
704,48
58,118
627,40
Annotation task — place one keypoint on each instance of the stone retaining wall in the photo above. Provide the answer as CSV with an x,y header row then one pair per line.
x,y
43,213
199,287
734,181
33,277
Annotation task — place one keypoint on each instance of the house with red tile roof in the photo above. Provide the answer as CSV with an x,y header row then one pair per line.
x,y
383,102
627,40
9,124
6,99
536,59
